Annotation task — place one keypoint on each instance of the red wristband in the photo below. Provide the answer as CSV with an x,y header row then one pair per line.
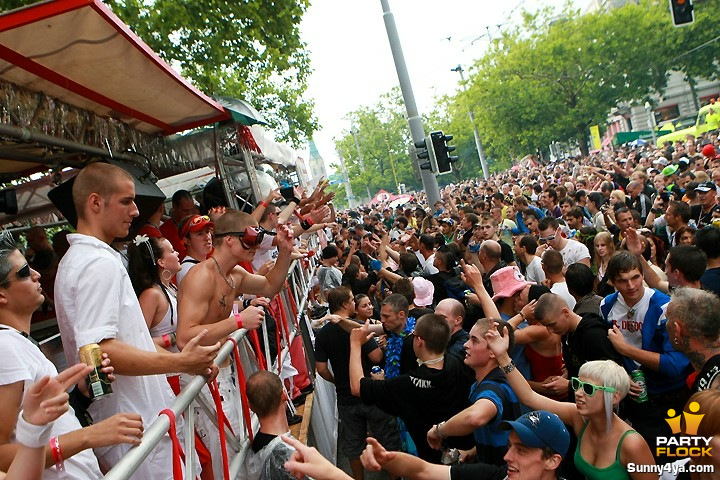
x,y
263,204
239,321
166,339
57,454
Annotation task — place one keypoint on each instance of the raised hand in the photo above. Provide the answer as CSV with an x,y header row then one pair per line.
x,y
47,399
497,343
633,242
317,215
361,335
471,275
284,239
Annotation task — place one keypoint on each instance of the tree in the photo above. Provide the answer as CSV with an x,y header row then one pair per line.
x,y
383,138
552,77
245,49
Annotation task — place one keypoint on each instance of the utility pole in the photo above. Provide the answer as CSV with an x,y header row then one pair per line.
x,y
478,142
417,132
354,132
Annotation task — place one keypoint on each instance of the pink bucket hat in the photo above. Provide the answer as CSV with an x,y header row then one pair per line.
x,y
507,281
424,291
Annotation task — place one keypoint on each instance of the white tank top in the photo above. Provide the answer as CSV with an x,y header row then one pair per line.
x,y
169,322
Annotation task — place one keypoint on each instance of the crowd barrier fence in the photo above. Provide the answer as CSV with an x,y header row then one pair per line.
x,y
288,308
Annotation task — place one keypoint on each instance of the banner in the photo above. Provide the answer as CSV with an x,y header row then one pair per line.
x,y
595,137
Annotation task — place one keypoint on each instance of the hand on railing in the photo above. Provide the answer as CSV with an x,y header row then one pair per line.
x,y
120,428
252,317
196,359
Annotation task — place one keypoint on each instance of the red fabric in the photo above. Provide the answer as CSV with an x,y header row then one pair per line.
x,y
150,230
222,421
691,379
243,390
176,448
542,367
170,231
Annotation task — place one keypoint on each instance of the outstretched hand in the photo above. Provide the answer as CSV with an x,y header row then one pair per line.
x,y
47,399
361,335
497,343
308,462
633,242
284,238
375,456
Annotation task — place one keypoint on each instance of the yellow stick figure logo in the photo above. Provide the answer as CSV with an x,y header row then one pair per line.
x,y
692,419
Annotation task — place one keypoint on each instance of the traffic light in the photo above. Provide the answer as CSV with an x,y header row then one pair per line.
x,y
426,155
442,152
682,12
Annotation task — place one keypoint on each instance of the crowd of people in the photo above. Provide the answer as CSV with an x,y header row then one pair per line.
x,y
541,324
584,290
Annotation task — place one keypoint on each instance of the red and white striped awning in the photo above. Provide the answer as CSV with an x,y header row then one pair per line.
x,y
79,52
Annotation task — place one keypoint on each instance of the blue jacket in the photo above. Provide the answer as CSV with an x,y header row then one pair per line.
x,y
674,365
521,228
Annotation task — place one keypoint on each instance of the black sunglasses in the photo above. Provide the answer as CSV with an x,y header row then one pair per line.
x,y
23,272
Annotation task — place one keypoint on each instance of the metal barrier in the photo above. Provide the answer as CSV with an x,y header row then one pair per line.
x,y
297,288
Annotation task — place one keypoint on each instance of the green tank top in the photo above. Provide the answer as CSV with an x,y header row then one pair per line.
x,y
615,471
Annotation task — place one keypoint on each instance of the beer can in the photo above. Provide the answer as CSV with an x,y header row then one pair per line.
x,y
98,382
639,377
376,369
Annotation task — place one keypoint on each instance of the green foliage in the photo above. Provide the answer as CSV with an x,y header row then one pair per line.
x,y
246,49
554,76
383,138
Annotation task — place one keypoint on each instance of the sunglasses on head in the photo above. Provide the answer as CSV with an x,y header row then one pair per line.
x,y
588,388
251,237
22,272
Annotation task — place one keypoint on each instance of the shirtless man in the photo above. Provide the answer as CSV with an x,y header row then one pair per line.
x,y
205,302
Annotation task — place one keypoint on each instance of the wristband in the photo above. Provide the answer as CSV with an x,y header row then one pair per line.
x,y
166,339
173,338
306,223
522,315
438,432
57,454
31,435
296,200
239,321
508,368
263,204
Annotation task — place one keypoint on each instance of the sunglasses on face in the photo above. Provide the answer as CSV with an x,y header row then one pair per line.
x,y
544,240
251,237
588,388
22,272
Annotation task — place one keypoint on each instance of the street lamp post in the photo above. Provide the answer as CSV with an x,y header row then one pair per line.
x,y
417,131
651,122
478,142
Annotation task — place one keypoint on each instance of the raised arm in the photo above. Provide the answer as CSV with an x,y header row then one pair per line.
x,y
499,345
270,284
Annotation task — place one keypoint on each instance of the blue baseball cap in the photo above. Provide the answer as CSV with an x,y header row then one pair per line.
x,y
540,429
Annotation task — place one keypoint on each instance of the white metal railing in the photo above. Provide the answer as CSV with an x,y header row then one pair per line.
x,y
299,284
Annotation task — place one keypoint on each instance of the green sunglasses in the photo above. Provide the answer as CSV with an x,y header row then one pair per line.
x,y
588,388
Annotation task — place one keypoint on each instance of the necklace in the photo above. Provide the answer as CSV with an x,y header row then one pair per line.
x,y
223,304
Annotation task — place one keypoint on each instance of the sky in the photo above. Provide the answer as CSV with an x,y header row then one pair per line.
x,y
353,65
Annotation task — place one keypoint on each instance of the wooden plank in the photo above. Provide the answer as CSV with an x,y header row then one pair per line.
x,y
300,430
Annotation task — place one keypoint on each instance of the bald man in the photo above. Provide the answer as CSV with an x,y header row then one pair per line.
x,y
454,312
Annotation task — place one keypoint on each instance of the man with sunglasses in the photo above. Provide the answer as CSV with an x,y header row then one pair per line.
x,y
95,303
22,362
551,235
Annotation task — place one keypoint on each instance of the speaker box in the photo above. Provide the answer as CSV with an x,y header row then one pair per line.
x,y
148,195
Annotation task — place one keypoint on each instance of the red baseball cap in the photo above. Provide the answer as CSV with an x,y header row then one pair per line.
x,y
195,224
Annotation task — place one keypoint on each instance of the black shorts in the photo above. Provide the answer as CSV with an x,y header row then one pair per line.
x,y
357,420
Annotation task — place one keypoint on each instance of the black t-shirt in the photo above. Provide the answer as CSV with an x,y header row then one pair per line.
x,y
701,219
506,252
261,441
588,342
332,344
418,312
707,375
478,471
710,280
421,399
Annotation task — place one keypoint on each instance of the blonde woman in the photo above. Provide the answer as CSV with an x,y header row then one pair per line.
x,y
606,444
604,245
